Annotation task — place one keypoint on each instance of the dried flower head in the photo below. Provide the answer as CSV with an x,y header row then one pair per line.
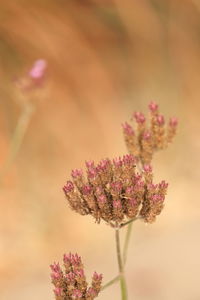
x,y
149,137
114,191
70,282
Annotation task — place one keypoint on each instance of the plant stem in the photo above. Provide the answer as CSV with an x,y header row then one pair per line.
x,y
125,250
128,222
126,243
120,266
110,282
17,138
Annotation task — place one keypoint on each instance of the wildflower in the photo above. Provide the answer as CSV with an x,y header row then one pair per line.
x,y
70,283
151,137
117,192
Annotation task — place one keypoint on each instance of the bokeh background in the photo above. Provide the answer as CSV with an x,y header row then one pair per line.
x,y
106,58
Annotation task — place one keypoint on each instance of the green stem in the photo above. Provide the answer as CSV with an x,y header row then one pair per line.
x,y
17,138
121,267
130,221
126,243
110,282
125,249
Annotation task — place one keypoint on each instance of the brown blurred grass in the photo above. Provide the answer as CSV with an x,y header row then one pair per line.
x,y
106,59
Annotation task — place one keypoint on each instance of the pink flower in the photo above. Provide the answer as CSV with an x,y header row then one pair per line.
x,y
117,204
116,186
101,199
58,291
97,277
153,106
99,190
128,129
68,187
117,162
55,267
103,164
173,122
77,293
160,120
128,159
80,273
92,173
132,202
147,168
77,173
91,292
163,184
70,277
139,117
89,164
129,190
38,69
86,189
57,272
146,135
71,259
157,198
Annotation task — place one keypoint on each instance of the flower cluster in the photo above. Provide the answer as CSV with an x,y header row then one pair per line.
x,y
149,137
114,191
70,283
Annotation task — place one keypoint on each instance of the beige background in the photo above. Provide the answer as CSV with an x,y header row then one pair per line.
x,y
106,59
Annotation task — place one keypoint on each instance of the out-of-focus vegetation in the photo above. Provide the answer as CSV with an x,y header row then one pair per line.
x,y
105,59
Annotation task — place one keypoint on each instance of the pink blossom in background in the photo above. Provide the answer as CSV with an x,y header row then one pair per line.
x,y
38,69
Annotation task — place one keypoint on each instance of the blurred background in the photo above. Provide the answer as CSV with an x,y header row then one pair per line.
x,y
106,59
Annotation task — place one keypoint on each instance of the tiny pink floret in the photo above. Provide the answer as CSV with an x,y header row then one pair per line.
x,y
153,106
157,198
117,162
55,267
129,190
160,120
68,187
77,173
70,277
117,186
89,164
173,122
117,204
77,293
147,168
128,129
103,165
91,292
97,277
86,189
101,199
128,159
58,291
146,135
80,273
163,184
139,117
38,69
133,202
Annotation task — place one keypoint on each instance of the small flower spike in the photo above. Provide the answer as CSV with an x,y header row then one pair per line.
x,y
70,283
114,192
149,138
